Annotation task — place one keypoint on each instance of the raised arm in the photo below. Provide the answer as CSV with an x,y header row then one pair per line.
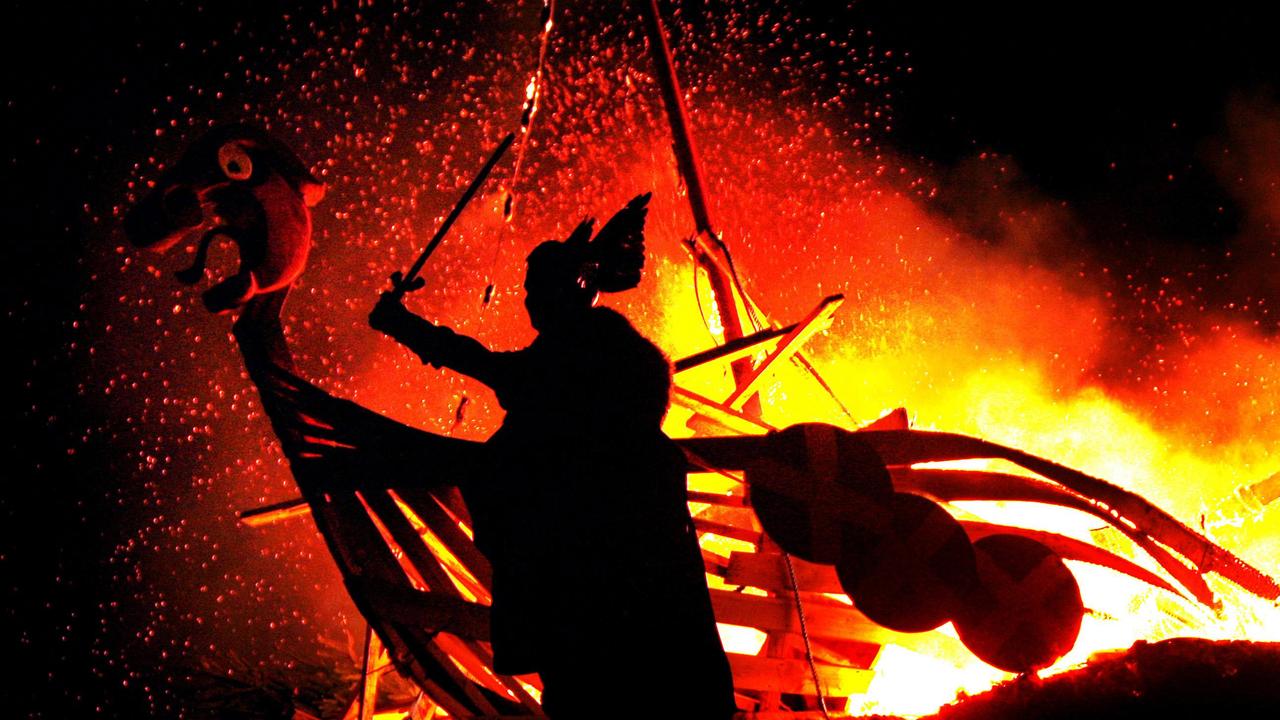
x,y
436,345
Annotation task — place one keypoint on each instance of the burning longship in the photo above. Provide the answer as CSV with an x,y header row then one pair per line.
x,y
846,543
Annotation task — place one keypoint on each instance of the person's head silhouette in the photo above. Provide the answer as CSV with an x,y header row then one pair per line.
x,y
564,279
556,288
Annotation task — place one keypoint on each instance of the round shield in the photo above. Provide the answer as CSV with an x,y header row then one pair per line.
x,y
818,485
1026,610
915,576
788,522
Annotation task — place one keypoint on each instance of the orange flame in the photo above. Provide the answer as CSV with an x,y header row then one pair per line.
x,y
974,342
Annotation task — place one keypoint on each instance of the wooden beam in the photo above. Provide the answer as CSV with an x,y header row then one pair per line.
x,y
374,664
895,419
701,425
431,610
1071,549
714,564
788,714
789,675
825,619
274,513
741,517
773,614
735,532
476,661
399,533
447,542
271,514
790,344
724,453
717,499
733,350
731,419
767,571
846,653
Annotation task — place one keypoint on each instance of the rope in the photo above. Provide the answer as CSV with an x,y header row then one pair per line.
x,y
808,367
804,633
756,323
533,93
697,299
364,673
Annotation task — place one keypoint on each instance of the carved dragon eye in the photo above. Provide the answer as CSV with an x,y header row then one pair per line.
x,y
235,162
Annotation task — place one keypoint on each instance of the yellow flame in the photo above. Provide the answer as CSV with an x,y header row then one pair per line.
x,y
1013,400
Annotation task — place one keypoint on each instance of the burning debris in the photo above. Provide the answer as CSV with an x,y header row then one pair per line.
x,y
917,325
850,501
1173,678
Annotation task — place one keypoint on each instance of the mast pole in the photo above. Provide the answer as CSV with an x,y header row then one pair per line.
x,y
686,154
722,280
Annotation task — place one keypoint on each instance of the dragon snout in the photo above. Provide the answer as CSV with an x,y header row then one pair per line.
x,y
163,217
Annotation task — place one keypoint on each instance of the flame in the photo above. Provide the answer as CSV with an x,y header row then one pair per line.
x,y
991,345
989,334
989,359
981,343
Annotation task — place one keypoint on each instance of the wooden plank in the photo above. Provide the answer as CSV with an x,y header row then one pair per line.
x,y
818,320
827,619
477,662
733,350
430,610
723,415
426,562
477,659
788,714
714,564
717,499
472,691
773,614
767,571
1071,549
458,628
374,665
895,419
734,532
369,683
724,453
846,653
459,554
278,512
358,546
399,533
790,675
727,515
274,513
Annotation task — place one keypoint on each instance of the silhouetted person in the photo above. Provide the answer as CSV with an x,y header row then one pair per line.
x,y
598,581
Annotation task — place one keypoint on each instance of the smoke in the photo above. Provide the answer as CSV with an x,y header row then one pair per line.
x,y
1246,161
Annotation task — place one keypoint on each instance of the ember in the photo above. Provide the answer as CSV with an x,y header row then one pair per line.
x,y
1086,286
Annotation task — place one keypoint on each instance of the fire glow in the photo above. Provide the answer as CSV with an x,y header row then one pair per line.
x,y
974,334
986,358
1000,359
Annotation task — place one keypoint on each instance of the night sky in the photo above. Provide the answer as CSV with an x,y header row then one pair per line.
x,y
1145,146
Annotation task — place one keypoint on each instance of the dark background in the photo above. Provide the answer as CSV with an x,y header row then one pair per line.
x,y
1114,113
1068,90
